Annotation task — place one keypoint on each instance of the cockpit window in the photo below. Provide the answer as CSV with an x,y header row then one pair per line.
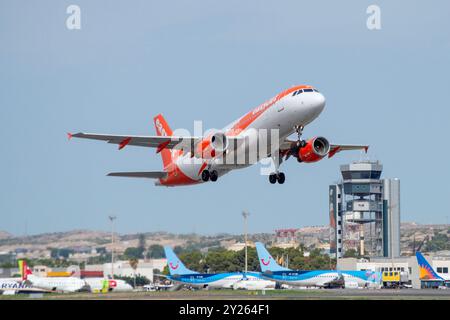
x,y
297,92
316,90
308,90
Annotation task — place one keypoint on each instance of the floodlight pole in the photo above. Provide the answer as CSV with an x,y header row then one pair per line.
x,y
245,214
112,218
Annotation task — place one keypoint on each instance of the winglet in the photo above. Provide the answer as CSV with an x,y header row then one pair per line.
x,y
69,135
366,148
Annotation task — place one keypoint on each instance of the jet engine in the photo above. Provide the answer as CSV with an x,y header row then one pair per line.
x,y
314,150
215,144
219,142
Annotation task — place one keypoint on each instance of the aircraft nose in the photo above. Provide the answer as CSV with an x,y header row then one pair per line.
x,y
319,103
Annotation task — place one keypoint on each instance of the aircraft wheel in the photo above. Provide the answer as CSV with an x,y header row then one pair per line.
x,y
273,178
205,175
281,177
213,175
302,143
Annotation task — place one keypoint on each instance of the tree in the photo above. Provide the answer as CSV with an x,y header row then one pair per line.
x,y
155,251
133,253
439,242
193,260
350,253
137,280
57,253
134,264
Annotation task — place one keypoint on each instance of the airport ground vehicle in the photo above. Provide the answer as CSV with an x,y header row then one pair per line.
x,y
394,279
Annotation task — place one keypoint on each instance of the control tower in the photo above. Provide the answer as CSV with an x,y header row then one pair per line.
x,y
365,212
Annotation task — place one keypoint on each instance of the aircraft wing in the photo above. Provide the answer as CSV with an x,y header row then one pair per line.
x,y
159,142
148,175
325,282
287,145
335,148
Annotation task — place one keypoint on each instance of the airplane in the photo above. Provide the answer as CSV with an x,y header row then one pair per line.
x,y
426,271
64,284
189,160
9,286
182,275
314,278
107,285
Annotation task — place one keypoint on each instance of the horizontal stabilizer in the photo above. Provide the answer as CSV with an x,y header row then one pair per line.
x,y
148,175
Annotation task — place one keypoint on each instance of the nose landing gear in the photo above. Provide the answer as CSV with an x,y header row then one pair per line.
x,y
300,143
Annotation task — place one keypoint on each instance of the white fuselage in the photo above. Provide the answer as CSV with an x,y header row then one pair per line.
x,y
254,284
323,279
97,284
13,284
283,115
228,282
66,284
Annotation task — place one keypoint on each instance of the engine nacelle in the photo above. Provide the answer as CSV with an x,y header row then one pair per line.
x,y
315,149
219,142
212,145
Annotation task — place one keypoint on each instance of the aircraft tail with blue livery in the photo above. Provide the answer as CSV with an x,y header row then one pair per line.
x,y
266,261
426,271
318,278
176,267
231,280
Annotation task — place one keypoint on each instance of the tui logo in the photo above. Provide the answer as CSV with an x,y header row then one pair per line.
x,y
172,266
265,263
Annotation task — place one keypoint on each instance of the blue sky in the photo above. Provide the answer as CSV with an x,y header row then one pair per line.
x,y
213,61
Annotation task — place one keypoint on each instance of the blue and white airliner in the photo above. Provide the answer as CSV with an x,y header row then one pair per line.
x,y
314,278
231,280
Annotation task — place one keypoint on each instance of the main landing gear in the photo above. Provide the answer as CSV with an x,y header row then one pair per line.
x,y
274,177
277,176
209,175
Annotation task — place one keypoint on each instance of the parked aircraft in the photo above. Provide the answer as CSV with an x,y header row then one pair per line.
x,y
237,280
314,278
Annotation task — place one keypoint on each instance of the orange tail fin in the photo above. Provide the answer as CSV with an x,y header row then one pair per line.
x,y
163,129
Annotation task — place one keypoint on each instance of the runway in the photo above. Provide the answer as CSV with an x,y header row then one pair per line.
x,y
313,294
